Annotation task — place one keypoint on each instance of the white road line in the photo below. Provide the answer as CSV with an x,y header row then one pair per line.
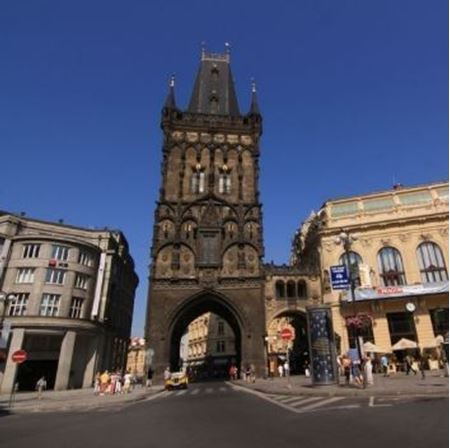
x,y
320,404
195,391
163,393
209,390
290,399
180,392
303,401
373,405
223,389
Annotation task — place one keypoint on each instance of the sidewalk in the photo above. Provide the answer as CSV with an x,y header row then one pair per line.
x,y
435,385
72,400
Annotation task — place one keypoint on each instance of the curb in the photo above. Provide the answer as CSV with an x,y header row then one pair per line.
x,y
77,407
363,393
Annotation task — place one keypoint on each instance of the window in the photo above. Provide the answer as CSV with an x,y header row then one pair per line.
x,y
401,325
290,288
18,306
280,289
81,281
439,318
31,250
55,276
49,305
220,346
209,245
431,263
25,275
198,180
353,269
60,252
76,308
301,288
85,258
391,267
220,328
224,180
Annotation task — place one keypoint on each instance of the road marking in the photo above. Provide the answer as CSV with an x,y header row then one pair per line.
x,y
290,399
223,389
180,392
157,395
373,405
209,390
303,401
195,391
320,404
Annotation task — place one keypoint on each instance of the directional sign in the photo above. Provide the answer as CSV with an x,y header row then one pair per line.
x,y
287,334
339,277
19,356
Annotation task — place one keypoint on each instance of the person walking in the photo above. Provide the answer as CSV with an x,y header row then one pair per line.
x,y
104,382
127,382
280,370
423,361
97,383
385,365
149,381
408,365
41,385
346,365
368,371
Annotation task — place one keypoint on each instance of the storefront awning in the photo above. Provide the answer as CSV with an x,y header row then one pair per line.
x,y
388,292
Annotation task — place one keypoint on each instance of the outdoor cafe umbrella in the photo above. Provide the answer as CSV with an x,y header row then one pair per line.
x,y
404,344
369,347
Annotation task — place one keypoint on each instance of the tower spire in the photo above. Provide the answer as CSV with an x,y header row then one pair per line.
x,y
254,108
170,99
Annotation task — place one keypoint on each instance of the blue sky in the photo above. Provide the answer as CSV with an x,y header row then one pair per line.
x,y
354,95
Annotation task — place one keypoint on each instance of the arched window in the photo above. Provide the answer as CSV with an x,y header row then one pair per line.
x,y
431,263
353,269
301,288
291,288
280,289
390,266
198,180
224,180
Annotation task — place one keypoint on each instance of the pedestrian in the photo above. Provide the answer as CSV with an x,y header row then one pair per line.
x,y
248,374
423,361
167,374
127,379
272,369
118,383
368,371
286,368
41,385
280,370
149,381
409,365
385,365
306,367
104,382
97,383
252,373
346,365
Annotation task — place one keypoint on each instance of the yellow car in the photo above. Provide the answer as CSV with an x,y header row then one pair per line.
x,y
177,380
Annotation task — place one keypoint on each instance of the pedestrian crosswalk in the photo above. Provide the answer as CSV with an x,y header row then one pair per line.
x,y
305,403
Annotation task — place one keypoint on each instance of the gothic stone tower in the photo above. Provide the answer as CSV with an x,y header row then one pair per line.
x,y
207,237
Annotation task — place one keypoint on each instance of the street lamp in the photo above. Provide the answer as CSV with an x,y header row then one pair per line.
x,y
347,240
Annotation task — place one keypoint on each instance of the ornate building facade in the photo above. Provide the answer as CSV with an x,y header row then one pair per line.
x,y
207,238
398,256
70,294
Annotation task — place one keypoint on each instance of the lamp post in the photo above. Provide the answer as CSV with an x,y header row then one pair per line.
x,y
347,240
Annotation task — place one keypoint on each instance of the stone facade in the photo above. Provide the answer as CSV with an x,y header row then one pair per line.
x,y
207,237
400,255
136,358
72,295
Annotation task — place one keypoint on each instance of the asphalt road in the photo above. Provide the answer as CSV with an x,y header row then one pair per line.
x,y
216,415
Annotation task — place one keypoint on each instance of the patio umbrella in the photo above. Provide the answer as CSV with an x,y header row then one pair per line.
x,y
404,344
369,347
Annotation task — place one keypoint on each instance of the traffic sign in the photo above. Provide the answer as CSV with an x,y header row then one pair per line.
x,y
287,334
19,356
339,277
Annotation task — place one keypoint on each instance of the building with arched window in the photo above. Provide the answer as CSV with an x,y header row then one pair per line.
x,y
399,255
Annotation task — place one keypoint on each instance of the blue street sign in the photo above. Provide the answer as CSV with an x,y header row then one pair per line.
x,y
339,277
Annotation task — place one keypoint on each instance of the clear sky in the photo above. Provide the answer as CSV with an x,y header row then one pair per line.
x,y
354,96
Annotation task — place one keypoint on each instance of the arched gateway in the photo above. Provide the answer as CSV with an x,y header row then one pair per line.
x,y
207,237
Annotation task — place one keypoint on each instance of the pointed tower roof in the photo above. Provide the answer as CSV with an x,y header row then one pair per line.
x,y
214,87
254,108
170,99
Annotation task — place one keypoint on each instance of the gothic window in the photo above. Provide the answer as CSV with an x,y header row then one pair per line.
x,y
390,266
224,180
431,263
290,288
198,179
280,290
214,104
301,288
353,269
